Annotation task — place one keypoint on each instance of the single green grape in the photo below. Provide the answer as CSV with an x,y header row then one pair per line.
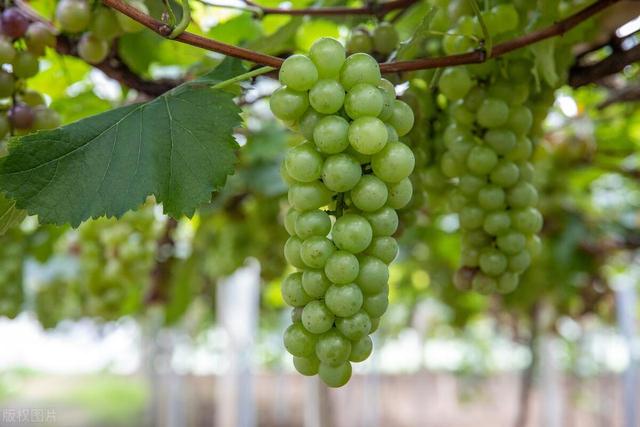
x,y
292,252
520,262
491,197
373,275
92,49
354,327
288,104
511,243
527,221
308,122
331,134
361,349
105,24
328,55
369,194
455,83
360,41
304,163
299,342
7,84
484,284
352,233
493,113
290,219
25,65
520,120
493,262
393,163
368,135
482,160
400,193
497,223
401,117
341,172
311,223
344,300
7,51
307,366
384,221
298,73
315,251
342,267
384,248
305,196
317,318
332,348
327,96
359,68
522,195
501,140
292,291
505,174
73,16
507,282
376,305
363,100
38,37
385,38
471,217
470,185
335,376
45,118
315,283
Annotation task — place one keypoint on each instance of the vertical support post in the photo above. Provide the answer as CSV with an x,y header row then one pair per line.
x,y
626,303
317,412
237,312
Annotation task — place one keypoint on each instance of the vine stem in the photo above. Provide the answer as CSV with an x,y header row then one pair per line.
x,y
488,41
475,57
370,8
241,77
184,21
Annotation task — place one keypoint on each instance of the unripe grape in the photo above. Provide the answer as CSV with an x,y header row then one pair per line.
x,y
328,55
496,223
369,194
359,68
7,84
393,163
307,366
519,262
361,349
384,222
505,18
527,221
505,174
38,37
292,252
401,118
290,220
73,16
308,122
342,267
511,243
373,275
299,342
14,23
368,135
105,24
354,327
45,118
316,317
385,38
92,49
304,163
400,194
455,83
332,348
21,116
484,284
481,160
335,376
305,196
292,291
25,65
352,233
376,305
287,104
4,125
129,25
331,134
7,51
341,172
522,195
344,300
360,41
315,283
315,251
298,73
491,197
493,262
326,96
471,217
312,223
501,140
31,98
493,113
364,100
384,248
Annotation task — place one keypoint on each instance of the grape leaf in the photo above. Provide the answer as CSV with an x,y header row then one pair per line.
x,y
9,214
178,147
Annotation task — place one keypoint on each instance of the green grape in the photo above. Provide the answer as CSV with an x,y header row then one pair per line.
x,y
308,122
459,148
385,38
501,140
31,98
129,25
383,248
45,118
307,366
335,376
471,217
354,327
328,55
401,118
470,257
493,113
497,223
351,233
25,65
292,252
400,194
373,275
38,37
7,51
287,104
470,185
392,135
369,194
299,342
492,262
484,284
332,348
505,174
292,291
507,282
360,41
505,18
330,134
534,245
290,219
477,238
341,172
315,283
520,120
375,324
522,151
461,115
455,83
298,72
315,251
481,160
384,221
73,16
304,163
455,44
522,195
393,163
359,68
7,84
342,267
368,135
344,300
511,243
474,98
363,100
527,221
526,171
457,200
92,49
376,305
519,262
312,223
105,24
327,96
317,318
361,349
491,197
309,195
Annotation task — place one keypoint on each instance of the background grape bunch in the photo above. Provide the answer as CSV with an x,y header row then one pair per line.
x,y
353,165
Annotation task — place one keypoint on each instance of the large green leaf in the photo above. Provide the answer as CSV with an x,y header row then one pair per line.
x,y
9,214
178,147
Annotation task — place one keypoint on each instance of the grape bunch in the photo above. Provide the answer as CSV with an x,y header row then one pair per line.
x,y
352,167
487,157
380,42
21,44
95,26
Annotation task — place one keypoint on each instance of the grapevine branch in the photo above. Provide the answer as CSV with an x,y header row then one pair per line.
x,y
370,8
477,56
